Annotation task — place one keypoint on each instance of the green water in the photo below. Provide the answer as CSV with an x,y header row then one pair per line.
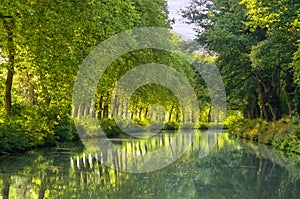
x,y
232,169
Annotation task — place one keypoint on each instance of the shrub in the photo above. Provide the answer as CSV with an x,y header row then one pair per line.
x,y
65,130
296,131
204,126
171,126
110,128
24,130
283,134
142,123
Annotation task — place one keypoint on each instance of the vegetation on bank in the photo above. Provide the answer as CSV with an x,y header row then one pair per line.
x,y
255,45
27,128
283,134
115,129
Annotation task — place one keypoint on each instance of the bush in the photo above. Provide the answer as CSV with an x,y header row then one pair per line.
x,y
12,139
142,123
171,126
283,134
204,126
296,131
25,130
65,130
110,127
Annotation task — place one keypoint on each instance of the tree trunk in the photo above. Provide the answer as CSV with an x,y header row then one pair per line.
x,y
105,111
82,110
87,110
209,118
140,113
8,23
269,95
75,111
177,117
116,105
146,113
5,187
254,110
8,87
170,114
100,108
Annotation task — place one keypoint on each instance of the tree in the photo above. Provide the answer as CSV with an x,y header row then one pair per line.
x,y
254,43
280,19
151,14
45,43
8,23
222,33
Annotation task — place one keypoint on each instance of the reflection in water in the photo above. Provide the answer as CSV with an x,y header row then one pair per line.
x,y
151,154
232,169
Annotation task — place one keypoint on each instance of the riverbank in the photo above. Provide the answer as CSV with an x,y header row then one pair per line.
x,y
283,134
17,135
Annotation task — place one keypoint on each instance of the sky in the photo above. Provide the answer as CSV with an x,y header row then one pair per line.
x,y
184,30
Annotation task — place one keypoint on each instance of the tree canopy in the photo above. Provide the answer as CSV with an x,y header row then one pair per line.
x,y
43,44
257,52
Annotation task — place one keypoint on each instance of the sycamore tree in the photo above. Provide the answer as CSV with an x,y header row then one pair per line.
x,y
45,43
151,14
47,40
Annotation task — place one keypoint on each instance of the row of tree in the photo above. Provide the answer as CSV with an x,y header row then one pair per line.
x,y
256,43
43,43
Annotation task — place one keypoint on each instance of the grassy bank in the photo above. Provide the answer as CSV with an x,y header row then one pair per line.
x,y
283,134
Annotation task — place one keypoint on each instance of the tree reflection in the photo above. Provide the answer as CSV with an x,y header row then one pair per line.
x,y
231,170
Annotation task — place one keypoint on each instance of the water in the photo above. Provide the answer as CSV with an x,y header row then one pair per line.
x,y
232,169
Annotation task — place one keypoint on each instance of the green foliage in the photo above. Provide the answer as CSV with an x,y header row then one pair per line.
x,y
52,38
113,129
65,130
283,134
156,126
232,118
25,129
288,145
142,123
296,131
255,46
296,65
171,126
269,54
110,127
204,125
224,34
248,129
